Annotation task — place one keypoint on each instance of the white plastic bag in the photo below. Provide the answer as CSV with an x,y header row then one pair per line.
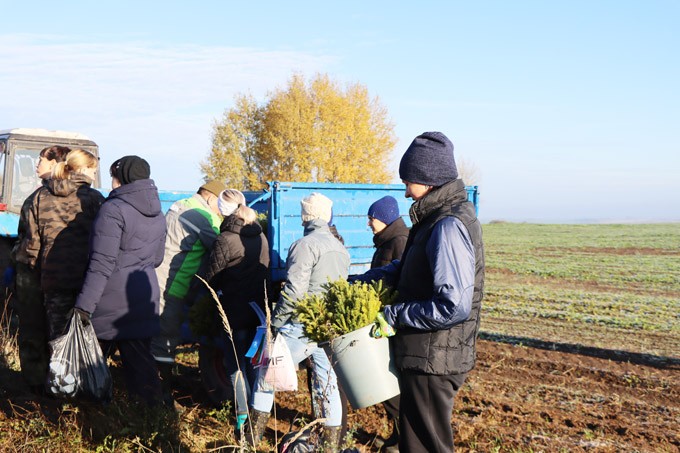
x,y
77,366
277,371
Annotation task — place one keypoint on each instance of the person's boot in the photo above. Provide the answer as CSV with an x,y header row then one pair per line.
x,y
330,439
392,442
165,371
255,427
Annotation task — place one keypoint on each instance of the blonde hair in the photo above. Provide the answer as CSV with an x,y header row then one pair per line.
x,y
75,162
243,212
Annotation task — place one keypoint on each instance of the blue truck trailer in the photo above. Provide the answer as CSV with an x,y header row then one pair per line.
x,y
281,202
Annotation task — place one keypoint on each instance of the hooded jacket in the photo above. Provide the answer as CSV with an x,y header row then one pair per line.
x,y
128,239
237,270
191,231
312,261
389,243
57,231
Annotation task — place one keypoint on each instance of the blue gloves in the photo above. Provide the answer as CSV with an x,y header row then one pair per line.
x,y
381,328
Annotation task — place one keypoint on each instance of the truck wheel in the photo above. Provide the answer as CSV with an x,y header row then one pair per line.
x,y
215,380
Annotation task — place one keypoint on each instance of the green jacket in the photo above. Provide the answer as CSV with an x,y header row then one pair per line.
x,y
191,230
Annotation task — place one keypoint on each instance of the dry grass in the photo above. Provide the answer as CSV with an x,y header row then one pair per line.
x,y
31,423
9,352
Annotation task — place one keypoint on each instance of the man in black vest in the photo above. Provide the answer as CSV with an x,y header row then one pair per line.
x,y
440,281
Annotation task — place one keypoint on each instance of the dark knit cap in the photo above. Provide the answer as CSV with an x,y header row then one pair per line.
x,y
386,210
130,169
429,160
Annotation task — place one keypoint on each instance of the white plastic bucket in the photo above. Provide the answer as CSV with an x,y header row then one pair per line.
x,y
364,367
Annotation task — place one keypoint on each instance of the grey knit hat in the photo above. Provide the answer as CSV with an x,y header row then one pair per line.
x,y
316,206
429,160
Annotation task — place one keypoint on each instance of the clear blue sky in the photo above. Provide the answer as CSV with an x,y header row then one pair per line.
x,y
570,110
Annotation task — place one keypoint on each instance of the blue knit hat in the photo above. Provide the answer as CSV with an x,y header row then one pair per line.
x,y
386,210
429,160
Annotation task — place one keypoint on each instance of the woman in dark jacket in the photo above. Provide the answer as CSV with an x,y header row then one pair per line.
x,y
389,236
121,291
30,304
237,271
57,235
389,231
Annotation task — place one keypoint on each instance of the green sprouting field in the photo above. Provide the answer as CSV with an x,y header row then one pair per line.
x,y
605,286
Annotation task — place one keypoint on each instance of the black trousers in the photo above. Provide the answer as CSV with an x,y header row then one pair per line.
x,y
59,310
392,408
242,339
139,368
32,339
425,411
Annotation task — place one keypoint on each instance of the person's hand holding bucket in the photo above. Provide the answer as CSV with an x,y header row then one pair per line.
x,y
381,328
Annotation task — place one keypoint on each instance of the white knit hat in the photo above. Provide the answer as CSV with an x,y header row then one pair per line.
x,y
316,206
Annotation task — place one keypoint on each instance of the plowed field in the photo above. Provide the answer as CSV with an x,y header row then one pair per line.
x,y
579,352
526,398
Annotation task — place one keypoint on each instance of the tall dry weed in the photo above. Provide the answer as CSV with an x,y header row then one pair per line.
x,y
9,349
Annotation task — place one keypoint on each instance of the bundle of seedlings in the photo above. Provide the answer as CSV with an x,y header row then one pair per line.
x,y
342,308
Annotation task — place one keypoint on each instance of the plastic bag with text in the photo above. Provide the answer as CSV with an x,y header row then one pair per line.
x,y
277,372
77,366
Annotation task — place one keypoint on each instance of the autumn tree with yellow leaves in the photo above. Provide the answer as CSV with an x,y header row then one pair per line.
x,y
305,132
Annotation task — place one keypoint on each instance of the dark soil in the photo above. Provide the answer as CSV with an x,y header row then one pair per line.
x,y
534,397
522,398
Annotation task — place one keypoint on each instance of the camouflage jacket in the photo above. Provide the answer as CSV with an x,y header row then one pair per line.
x,y
56,239
18,252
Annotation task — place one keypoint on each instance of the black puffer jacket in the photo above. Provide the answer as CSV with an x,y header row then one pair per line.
x,y
237,270
389,243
